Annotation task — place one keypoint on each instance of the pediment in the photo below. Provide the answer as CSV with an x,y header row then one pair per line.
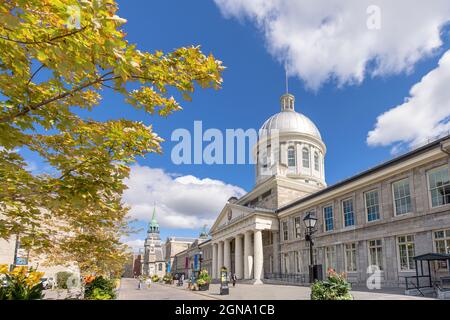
x,y
230,212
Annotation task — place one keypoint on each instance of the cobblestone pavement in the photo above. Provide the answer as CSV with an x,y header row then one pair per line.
x,y
158,291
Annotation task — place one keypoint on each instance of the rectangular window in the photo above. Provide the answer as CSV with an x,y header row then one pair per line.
x,y
349,216
402,197
376,253
297,227
328,218
439,184
285,231
305,157
350,257
330,257
406,252
442,244
372,205
291,157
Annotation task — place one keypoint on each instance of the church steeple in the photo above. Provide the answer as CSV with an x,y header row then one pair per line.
x,y
153,226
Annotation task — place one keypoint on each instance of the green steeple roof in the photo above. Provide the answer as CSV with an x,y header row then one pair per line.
x,y
153,226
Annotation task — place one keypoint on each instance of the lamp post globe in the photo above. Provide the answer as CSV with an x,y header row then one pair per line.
x,y
310,221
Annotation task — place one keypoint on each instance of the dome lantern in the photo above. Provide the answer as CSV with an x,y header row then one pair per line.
x,y
287,101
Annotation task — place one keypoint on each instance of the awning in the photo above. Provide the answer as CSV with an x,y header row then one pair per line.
x,y
432,257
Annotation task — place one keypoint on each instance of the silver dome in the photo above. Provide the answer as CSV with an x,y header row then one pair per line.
x,y
290,121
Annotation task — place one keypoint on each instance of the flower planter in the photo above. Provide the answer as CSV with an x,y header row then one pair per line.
x,y
203,287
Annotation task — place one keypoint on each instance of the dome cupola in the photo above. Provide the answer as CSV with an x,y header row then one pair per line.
x,y
290,145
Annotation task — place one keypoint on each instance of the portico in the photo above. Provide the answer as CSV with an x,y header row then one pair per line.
x,y
237,240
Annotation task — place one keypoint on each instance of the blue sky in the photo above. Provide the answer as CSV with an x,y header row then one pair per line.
x,y
253,82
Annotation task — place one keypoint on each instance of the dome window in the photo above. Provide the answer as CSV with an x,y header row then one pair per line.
x,y
291,157
316,161
305,155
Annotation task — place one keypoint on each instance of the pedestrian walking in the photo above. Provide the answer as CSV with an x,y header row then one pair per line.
x,y
139,284
234,278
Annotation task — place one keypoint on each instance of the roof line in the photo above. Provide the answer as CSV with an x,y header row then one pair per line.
x,y
383,165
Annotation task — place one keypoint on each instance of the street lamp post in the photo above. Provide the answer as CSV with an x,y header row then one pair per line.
x,y
310,221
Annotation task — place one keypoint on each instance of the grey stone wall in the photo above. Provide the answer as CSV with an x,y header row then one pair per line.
x,y
421,223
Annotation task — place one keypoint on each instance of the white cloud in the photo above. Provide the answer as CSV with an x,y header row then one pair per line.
x,y
329,39
135,245
425,113
181,201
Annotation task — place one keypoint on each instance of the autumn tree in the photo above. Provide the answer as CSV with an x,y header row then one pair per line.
x,y
57,57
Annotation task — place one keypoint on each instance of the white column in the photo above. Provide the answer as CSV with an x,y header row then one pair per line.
x,y
258,257
219,257
248,256
214,273
227,254
239,266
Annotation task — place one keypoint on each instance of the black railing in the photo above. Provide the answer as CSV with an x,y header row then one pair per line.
x,y
413,282
288,277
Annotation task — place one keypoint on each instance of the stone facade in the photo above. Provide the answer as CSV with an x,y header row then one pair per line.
x,y
154,262
420,223
173,246
184,261
377,220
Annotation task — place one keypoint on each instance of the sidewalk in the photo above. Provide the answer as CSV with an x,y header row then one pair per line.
x,y
286,292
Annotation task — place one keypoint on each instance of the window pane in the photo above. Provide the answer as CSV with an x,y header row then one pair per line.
x,y
402,197
305,155
328,218
316,161
372,206
439,183
347,207
291,157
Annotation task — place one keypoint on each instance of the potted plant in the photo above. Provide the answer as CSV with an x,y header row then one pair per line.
x,y
335,287
168,278
203,281
155,278
99,288
20,284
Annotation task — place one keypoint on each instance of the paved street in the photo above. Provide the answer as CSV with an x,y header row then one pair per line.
x,y
129,291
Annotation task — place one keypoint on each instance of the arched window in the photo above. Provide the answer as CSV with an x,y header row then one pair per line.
x,y
305,155
291,157
316,161
160,267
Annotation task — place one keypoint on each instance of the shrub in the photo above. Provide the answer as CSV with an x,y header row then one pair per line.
x,y
167,278
99,288
155,278
335,287
21,284
61,279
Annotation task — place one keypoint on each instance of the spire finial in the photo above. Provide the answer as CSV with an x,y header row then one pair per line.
x,y
154,210
287,80
287,99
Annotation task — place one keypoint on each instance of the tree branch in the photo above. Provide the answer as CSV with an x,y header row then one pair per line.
x,y
33,107
48,41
